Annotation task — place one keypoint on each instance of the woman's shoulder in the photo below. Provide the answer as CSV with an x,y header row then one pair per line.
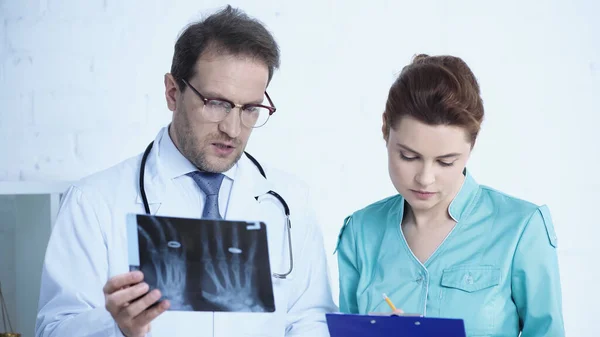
x,y
380,208
378,213
518,213
371,221
505,201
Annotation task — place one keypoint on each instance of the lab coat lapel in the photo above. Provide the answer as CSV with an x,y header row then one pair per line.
x,y
164,200
248,184
159,187
154,184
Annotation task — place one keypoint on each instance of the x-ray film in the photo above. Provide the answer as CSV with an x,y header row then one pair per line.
x,y
203,265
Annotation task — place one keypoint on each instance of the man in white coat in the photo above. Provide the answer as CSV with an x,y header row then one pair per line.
x,y
216,90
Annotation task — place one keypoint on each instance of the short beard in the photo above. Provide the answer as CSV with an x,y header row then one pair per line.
x,y
192,150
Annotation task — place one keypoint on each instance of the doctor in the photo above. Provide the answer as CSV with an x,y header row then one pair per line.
x,y
217,93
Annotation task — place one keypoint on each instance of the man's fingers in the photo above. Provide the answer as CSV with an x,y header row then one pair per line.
x,y
137,307
117,282
148,315
122,297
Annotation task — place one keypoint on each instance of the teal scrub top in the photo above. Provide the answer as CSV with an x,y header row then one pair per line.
x,y
497,269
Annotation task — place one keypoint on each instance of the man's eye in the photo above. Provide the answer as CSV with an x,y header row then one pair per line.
x,y
219,104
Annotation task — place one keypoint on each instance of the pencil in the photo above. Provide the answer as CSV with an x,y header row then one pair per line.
x,y
389,302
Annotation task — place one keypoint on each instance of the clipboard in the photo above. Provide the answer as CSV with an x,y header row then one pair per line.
x,y
353,325
203,265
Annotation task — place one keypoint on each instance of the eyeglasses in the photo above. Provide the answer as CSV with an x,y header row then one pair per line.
x,y
252,115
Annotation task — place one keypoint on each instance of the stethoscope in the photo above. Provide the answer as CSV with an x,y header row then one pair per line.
x,y
262,172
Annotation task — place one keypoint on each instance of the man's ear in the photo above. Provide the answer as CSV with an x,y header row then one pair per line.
x,y
171,92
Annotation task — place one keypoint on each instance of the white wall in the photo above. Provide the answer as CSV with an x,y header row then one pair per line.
x,y
7,265
81,87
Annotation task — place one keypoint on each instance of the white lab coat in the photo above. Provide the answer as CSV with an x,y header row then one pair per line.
x,y
88,245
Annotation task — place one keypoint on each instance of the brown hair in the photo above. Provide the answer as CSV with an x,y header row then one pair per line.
x,y
229,31
436,90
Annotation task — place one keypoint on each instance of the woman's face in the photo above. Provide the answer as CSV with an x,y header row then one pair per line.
x,y
426,162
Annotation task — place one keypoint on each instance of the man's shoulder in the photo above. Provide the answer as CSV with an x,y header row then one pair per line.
x,y
274,174
293,188
282,177
105,181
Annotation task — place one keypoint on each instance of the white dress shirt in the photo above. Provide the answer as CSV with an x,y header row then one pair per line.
x,y
177,167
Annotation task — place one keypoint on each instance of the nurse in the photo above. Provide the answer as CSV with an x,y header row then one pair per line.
x,y
445,246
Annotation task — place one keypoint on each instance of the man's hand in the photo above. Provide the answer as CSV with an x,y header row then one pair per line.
x,y
127,301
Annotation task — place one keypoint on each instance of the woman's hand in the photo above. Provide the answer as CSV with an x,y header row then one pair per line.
x,y
397,312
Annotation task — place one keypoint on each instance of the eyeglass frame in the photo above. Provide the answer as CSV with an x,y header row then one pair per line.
x,y
205,100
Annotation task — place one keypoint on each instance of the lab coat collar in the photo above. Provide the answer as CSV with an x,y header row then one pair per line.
x,y
163,165
248,186
174,163
154,182
464,200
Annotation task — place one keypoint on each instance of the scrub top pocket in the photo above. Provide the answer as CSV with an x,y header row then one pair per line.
x,y
469,292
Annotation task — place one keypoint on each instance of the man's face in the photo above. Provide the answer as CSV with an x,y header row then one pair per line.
x,y
215,146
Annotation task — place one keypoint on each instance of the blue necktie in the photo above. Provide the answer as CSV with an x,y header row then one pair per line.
x,y
209,183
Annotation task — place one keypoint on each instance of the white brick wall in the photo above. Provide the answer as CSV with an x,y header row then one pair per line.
x,y
81,88
71,70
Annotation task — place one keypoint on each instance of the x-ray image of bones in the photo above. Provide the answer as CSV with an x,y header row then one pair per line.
x,y
164,266
206,265
229,281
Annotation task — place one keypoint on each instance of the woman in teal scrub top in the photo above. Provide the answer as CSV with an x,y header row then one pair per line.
x,y
445,246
